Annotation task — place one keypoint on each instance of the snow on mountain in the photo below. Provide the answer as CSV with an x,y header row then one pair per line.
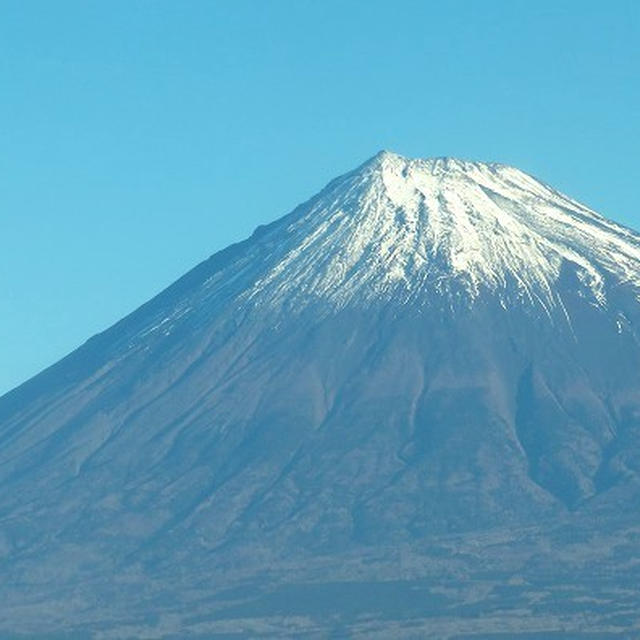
x,y
411,228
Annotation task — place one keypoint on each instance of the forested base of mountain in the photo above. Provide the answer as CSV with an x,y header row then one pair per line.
x,y
573,581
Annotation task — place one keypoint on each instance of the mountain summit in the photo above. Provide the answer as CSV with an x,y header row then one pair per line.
x,y
399,406
412,229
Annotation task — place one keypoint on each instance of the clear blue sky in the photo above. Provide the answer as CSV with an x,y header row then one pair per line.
x,y
139,137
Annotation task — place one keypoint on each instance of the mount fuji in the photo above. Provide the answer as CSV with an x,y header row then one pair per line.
x,y
409,408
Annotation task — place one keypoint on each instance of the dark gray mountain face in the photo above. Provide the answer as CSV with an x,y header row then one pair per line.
x,y
410,408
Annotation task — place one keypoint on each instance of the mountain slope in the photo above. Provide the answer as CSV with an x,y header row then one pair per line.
x,y
425,349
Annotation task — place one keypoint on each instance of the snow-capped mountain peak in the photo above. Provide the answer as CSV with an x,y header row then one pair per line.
x,y
429,370
413,228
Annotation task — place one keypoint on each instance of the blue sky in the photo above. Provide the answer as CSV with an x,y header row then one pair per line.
x,y
139,137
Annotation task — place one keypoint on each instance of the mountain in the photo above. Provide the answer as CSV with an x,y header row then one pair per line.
x,y
409,408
